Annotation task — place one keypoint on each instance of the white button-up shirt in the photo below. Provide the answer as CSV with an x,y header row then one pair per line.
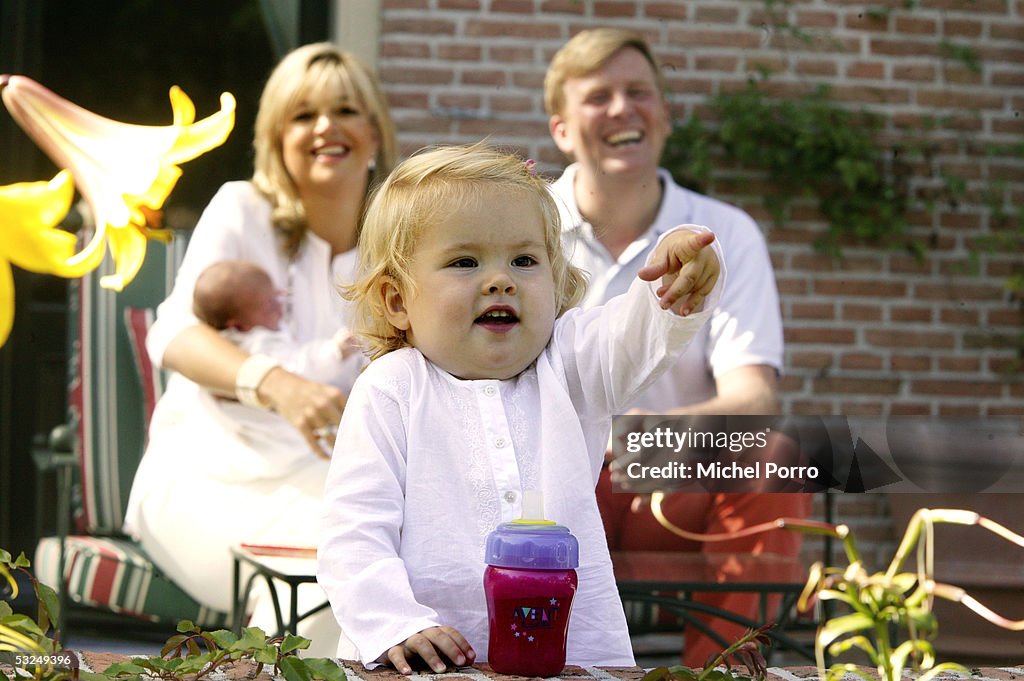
x,y
427,465
745,327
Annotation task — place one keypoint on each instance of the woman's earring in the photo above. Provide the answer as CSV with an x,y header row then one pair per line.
x,y
372,165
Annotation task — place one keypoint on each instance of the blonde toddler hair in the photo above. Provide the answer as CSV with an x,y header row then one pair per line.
x,y
421,191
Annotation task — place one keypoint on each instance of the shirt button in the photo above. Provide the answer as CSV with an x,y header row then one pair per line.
x,y
510,497
490,391
500,442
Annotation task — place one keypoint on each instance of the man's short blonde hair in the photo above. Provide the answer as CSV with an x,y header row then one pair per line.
x,y
422,191
586,52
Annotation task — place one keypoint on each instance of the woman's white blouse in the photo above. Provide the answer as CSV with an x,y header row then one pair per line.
x,y
426,465
236,225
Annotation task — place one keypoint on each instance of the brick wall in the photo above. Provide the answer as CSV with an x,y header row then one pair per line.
x,y
879,333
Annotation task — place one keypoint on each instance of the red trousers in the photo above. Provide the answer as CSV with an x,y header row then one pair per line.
x,y
632,526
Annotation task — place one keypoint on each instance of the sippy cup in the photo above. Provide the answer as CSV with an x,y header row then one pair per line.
x,y
529,582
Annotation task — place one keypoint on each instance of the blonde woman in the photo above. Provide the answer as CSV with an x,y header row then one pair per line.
x,y
323,138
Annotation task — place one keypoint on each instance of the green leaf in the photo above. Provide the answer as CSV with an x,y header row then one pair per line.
x,y
223,638
49,603
325,668
125,669
187,627
294,669
291,642
840,626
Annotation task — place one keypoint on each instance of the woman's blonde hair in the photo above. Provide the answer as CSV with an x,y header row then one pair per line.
x,y
586,52
309,69
421,191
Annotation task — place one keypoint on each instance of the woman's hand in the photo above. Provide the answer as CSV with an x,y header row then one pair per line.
x,y
426,645
314,408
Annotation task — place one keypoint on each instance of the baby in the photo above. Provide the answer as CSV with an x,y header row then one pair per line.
x,y
486,382
239,298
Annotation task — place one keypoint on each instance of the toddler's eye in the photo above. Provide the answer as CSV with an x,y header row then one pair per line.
x,y
524,261
346,110
463,262
301,116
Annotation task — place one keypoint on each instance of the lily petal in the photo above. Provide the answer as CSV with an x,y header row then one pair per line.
x,y
123,171
29,214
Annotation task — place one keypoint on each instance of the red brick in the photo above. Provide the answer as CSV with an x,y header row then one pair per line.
x,y
419,25
460,101
505,54
491,78
512,103
961,317
816,67
471,5
962,28
808,19
867,386
958,99
819,335
860,360
1007,410
861,313
861,409
512,6
810,360
959,292
727,63
520,29
664,10
910,314
562,7
910,409
711,14
948,387
866,70
959,410
416,76
460,52
914,72
812,311
859,287
612,8
403,49
1005,317
695,37
960,364
910,363
892,338
813,408
911,24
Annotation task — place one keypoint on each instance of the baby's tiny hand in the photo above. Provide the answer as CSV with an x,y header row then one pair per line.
x,y
426,645
688,269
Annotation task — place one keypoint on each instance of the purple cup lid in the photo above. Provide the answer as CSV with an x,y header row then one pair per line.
x,y
532,545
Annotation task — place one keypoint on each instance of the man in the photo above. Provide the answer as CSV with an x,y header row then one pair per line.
x,y
604,95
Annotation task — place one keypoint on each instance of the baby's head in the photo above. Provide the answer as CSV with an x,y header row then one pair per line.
x,y
461,257
236,294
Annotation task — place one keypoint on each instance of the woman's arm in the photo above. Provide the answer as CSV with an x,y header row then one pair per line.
x,y
203,356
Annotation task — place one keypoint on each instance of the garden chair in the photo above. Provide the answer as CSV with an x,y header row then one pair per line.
x,y
111,393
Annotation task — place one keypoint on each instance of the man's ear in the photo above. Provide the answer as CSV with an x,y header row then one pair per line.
x,y
560,134
394,304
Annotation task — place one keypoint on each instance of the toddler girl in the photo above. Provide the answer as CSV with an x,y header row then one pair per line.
x,y
485,383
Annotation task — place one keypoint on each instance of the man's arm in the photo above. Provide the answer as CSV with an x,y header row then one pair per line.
x,y
747,390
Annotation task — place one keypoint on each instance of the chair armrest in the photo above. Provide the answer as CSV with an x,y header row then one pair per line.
x,y
56,455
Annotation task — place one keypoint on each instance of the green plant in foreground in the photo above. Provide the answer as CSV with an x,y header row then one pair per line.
x,y
194,654
895,603
191,654
890,618
746,649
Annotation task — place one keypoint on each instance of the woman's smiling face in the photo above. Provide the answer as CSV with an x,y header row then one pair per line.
x,y
326,138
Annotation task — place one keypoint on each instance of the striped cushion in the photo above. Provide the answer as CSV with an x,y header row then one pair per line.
x,y
137,321
117,575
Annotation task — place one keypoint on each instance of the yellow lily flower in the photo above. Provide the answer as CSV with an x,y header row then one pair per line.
x,y
29,214
124,171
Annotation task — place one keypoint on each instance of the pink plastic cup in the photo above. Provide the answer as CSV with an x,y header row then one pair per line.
x,y
530,582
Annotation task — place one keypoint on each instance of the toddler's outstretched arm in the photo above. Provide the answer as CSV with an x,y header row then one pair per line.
x,y
426,645
688,269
